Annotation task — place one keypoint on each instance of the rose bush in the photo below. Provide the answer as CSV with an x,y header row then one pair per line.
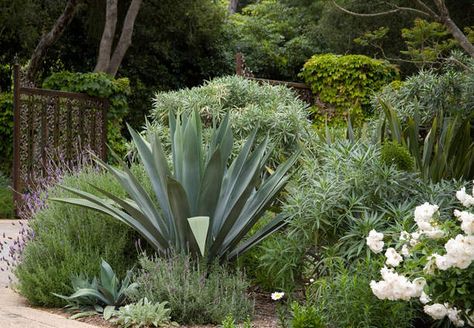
x,y
433,263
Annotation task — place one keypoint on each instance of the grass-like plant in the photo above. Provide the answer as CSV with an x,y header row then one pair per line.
x,y
202,206
445,152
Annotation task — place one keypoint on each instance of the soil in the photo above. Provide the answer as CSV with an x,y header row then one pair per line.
x,y
264,317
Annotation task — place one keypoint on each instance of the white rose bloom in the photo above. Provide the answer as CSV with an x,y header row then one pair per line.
x,y
405,251
419,284
434,234
460,251
425,212
467,221
436,311
442,262
375,241
424,298
393,258
453,315
404,236
395,287
465,199
415,237
430,266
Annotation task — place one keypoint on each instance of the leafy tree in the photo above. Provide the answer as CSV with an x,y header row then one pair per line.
x,y
277,37
427,42
436,10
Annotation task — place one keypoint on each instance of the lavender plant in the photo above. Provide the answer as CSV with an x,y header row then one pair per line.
x,y
54,169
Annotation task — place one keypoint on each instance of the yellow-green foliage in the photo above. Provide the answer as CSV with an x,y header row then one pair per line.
x,y
346,83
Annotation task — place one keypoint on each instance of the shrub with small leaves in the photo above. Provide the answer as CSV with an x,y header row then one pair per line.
x,y
347,83
393,153
274,109
143,314
196,294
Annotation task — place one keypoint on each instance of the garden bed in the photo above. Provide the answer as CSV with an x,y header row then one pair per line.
x,y
264,317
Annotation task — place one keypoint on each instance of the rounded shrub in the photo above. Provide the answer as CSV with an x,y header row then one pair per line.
x,y
345,84
393,153
69,240
195,293
428,93
275,110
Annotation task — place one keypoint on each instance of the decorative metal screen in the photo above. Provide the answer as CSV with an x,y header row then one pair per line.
x,y
302,90
50,121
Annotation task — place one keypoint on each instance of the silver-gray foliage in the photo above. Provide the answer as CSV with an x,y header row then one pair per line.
x,y
274,109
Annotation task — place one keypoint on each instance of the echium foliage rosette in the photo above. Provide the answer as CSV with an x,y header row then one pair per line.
x,y
203,206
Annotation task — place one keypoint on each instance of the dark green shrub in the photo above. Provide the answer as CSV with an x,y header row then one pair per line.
x,y
196,295
393,153
6,132
99,85
347,83
345,299
6,198
5,78
69,240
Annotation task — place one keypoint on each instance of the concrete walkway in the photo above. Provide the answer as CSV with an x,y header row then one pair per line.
x,y
14,310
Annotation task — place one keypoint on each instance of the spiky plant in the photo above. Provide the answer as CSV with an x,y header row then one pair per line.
x,y
202,206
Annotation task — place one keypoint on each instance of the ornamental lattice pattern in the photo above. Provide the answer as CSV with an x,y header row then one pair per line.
x,y
54,123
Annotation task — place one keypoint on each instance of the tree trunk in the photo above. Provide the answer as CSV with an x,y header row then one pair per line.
x,y
446,20
107,40
125,37
50,38
233,6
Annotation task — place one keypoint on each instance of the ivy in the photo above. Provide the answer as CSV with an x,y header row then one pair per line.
x,y
345,84
98,85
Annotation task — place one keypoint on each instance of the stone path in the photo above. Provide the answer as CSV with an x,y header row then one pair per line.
x,y
14,310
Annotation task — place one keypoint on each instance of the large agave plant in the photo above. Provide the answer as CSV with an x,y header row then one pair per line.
x,y
202,206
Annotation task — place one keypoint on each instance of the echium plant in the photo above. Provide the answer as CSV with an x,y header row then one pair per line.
x,y
202,206
434,263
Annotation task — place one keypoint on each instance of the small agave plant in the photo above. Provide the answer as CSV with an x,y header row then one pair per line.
x,y
202,206
98,296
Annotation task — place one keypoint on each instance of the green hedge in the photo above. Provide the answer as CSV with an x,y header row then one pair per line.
x,y
99,85
347,83
6,132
